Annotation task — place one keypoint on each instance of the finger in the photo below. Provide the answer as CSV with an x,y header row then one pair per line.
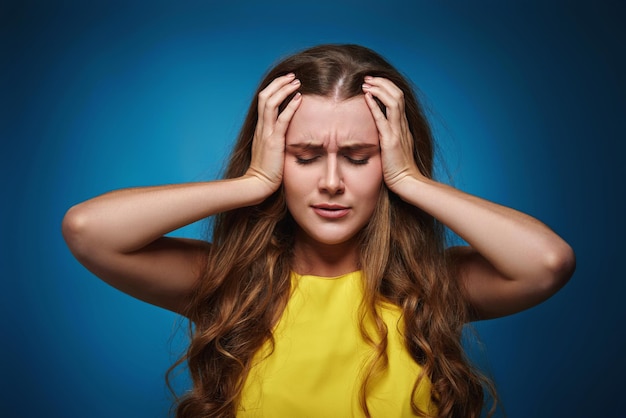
x,y
272,102
285,117
382,124
274,94
389,94
273,87
394,104
393,98
385,84
267,92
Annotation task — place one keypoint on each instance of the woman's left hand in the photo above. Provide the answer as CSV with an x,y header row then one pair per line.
x,y
513,261
396,141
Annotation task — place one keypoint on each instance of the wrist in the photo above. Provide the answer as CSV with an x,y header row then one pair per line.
x,y
412,188
258,186
404,182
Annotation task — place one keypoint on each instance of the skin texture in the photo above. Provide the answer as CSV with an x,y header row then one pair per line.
x,y
119,236
512,263
332,178
324,150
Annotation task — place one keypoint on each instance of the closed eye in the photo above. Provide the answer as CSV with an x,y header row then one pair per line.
x,y
357,161
304,161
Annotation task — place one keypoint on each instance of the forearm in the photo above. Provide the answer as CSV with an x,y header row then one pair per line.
x,y
513,261
517,245
127,220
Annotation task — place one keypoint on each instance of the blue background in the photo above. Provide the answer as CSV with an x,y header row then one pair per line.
x,y
528,100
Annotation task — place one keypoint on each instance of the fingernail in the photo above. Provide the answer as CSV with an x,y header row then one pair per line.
x,y
296,81
366,86
290,75
368,78
298,96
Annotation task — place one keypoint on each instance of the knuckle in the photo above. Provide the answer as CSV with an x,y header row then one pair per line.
x,y
273,102
379,116
398,94
263,95
283,117
396,105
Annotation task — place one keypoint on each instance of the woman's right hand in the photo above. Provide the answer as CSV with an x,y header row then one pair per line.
x,y
268,144
120,236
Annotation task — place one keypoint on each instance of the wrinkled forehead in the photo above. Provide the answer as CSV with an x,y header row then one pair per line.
x,y
325,121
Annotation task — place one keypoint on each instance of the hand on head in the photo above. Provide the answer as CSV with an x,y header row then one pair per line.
x,y
268,145
396,140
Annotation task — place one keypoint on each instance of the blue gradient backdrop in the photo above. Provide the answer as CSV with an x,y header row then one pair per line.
x,y
528,102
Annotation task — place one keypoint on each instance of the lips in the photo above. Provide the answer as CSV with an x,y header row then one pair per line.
x,y
331,211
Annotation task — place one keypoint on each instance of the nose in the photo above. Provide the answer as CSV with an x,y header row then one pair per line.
x,y
331,180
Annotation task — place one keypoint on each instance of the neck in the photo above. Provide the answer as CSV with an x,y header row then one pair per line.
x,y
324,260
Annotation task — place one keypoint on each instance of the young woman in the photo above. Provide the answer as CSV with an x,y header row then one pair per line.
x,y
327,289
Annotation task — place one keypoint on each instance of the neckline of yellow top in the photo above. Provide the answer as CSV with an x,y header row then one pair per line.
x,y
351,274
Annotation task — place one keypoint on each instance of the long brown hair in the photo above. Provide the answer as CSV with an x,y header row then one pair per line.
x,y
245,285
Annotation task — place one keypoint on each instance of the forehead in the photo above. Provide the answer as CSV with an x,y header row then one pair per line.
x,y
323,120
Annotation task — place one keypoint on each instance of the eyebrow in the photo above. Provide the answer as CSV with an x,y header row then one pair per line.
x,y
356,146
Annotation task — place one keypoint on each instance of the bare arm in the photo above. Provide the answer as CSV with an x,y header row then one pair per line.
x,y
119,236
513,261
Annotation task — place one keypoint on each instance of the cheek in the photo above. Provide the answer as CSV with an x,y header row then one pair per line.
x,y
294,182
369,180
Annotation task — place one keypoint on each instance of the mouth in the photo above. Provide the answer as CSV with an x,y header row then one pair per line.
x,y
331,211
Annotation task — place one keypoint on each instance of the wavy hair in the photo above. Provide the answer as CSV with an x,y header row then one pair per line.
x,y
245,284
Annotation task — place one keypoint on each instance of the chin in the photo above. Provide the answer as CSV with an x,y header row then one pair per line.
x,y
331,239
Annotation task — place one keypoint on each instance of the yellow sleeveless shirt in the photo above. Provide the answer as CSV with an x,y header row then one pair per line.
x,y
319,356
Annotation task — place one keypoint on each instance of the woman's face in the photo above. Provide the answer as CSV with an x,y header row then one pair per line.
x,y
333,173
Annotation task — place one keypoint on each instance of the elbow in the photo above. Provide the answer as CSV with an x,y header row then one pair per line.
x,y
559,266
74,228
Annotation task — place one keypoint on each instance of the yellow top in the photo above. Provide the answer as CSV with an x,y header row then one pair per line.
x,y
319,355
